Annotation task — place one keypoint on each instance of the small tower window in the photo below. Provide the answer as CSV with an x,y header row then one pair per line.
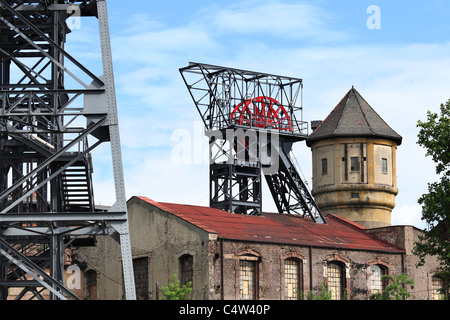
x,y
324,166
354,164
384,168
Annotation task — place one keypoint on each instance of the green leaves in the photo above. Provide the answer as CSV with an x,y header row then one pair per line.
x,y
174,291
396,289
434,135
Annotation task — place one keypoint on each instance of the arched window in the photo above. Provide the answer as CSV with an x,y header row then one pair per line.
x,y
247,279
186,268
336,280
375,280
292,278
437,285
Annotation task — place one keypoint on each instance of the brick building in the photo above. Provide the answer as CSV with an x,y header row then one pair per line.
x,y
279,256
230,256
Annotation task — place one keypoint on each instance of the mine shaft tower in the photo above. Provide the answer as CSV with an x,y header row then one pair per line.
x,y
53,112
251,119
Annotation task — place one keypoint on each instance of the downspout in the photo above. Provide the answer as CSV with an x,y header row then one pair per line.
x,y
403,269
310,269
221,270
403,262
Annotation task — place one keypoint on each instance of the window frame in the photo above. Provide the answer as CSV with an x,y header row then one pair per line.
x,y
186,269
355,164
384,165
298,277
141,277
341,279
252,278
436,289
324,166
382,283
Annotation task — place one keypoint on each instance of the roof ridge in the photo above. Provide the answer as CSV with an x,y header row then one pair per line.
x,y
356,93
341,111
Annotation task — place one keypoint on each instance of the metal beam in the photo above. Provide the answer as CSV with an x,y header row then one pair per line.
x,y
35,167
34,271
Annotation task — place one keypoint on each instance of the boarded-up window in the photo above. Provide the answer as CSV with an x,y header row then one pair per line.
x,y
140,267
186,264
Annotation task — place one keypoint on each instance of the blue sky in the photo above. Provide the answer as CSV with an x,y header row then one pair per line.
x,y
401,69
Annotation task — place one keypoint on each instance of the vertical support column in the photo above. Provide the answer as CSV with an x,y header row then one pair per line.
x,y
120,205
56,262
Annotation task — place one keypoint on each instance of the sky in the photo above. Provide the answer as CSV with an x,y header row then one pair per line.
x,y
395,53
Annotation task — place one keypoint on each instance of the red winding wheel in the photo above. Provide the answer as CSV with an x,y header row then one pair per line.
x,y
262,112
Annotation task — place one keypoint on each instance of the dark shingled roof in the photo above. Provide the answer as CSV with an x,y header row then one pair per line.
x,y
353,117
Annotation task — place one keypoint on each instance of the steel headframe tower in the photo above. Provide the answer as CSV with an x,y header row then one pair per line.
x,y
53,113
251,121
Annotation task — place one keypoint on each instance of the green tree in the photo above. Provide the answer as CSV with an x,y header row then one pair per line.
x,y
324,294
396,289
434,136
174,291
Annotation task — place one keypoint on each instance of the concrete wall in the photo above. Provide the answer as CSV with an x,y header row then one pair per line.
x,y
164,238
160,237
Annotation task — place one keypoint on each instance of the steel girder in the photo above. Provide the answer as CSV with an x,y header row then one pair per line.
x,y
53,112
251,121
232,98
288,189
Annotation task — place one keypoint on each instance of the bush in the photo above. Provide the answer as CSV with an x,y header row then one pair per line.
x,y
396,289
174,291
323,295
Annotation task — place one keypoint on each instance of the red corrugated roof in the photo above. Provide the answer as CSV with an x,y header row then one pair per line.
x,y
277,228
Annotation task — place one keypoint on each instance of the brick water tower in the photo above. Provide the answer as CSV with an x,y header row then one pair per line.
x,y
354,163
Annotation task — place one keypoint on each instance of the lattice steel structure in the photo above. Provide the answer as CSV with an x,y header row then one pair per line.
x,y
53,112
252,119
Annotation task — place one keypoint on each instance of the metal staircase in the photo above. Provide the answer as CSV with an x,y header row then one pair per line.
x,y
76,188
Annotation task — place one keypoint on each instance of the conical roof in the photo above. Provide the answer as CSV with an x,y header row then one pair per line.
x,y
353,117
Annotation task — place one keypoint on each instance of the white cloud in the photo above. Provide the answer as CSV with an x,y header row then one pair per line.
x,y
275,18
408,215
401,82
